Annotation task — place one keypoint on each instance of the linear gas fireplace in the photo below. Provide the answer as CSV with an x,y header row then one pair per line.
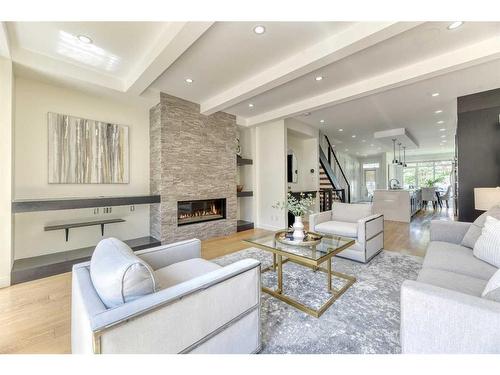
x,y
198,211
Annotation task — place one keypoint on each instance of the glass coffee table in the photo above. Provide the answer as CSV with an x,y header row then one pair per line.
x,y
312,256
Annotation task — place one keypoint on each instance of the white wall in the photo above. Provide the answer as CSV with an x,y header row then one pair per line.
x,y
6,228
303,140
33,99
270,170
381,172
246,174
352,169
306,152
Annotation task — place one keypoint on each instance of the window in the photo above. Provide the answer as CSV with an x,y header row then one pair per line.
x,y
371,165
410,177
420,174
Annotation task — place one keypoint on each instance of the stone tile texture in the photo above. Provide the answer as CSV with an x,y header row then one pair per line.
x,y
193,156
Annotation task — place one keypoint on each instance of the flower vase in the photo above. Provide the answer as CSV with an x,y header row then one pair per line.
x,y
298,229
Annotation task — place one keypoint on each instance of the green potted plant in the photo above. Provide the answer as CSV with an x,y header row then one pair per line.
x,y
430,182
298,207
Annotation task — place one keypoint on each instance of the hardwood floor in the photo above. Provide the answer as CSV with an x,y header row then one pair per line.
x,y
35,316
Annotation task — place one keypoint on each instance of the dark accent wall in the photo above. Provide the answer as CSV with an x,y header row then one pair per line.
x,y
478,148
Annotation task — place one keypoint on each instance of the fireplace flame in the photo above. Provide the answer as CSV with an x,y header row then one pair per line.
x,y
211,211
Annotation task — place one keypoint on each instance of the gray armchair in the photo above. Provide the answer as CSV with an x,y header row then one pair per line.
x,y
355,221
198,306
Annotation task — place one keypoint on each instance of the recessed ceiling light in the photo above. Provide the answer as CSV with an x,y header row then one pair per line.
x,y
380,148
307,113
442,129
347,149
440,122
363,140
438,111
189,80
371,145
250,105
455,24
444,141
443,136
259,29
322,121
84,39
318,78
435,94
341,130
354,135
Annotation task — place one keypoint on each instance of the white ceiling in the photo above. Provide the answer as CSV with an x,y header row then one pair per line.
x,y
376,75
412,107
406,48
117,47
230,52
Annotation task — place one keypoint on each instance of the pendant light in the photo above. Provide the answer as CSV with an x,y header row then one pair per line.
x,y
394,160
404,157
400,162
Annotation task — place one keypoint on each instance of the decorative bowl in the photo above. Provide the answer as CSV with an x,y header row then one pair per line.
x,y
310,239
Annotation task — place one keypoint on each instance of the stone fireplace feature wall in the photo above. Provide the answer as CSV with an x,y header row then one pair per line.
x,y
193,156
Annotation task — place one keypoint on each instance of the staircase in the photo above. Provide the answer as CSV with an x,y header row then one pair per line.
x,y
333,182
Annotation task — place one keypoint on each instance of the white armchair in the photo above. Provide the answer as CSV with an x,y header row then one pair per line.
x,y
354,221
196,306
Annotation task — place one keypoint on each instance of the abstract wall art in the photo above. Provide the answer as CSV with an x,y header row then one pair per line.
x,y
83,151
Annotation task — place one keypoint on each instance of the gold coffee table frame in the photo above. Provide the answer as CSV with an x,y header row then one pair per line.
x,y
281,256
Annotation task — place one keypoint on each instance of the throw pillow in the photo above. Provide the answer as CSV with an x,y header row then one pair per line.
x,y
474,231
118,275
487,247
492,290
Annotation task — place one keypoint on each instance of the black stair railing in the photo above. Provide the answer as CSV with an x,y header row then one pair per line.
x,y
339,181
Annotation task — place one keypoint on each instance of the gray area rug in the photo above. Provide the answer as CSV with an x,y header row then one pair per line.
x,y
365,319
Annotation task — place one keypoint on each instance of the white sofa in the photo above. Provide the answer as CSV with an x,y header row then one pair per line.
x,y
443,311
199,307
355,221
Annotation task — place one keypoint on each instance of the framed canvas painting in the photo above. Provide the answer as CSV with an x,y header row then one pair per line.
x,y
83,151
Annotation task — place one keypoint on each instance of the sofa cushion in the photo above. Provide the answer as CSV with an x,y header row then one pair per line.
x,y
350,213
183,271
118,275
487,246
453,281
476,227
456,258
339,228
492,289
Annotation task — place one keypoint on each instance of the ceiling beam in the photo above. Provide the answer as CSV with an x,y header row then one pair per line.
x,y
176,38
4,41
355,38
461,58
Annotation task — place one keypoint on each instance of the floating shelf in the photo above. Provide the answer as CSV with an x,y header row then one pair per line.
x,y
241,161
33,205
244,193
53,264
68,226
242,225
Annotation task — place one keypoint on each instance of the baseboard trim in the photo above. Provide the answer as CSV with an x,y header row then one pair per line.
x,y
4,281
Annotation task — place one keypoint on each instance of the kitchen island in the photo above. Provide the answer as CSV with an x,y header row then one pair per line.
x,y
397,204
